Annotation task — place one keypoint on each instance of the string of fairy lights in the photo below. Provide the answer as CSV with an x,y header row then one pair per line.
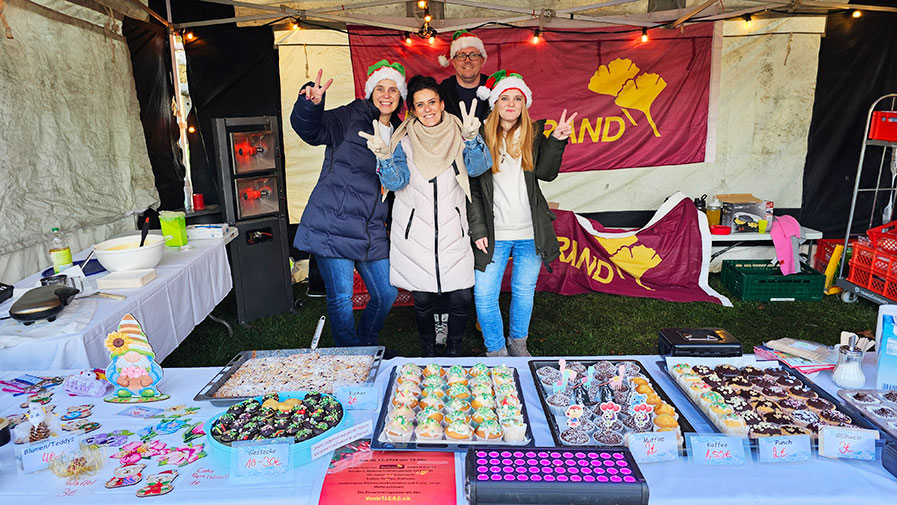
x,y
428,33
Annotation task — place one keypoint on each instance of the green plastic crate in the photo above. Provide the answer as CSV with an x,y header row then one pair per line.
x,y
757,280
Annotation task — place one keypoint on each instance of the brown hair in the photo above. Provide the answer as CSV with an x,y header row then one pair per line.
x,y
495,136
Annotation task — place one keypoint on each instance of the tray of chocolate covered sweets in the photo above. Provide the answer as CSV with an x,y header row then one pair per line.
x,y
435,408
878,406
601,402
750,398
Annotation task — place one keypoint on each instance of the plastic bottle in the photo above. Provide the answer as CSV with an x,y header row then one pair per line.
x,y
60,253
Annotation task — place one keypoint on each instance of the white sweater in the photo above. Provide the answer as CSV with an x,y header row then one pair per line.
x,y
510,206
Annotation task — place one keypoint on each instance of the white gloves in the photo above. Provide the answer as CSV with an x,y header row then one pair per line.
x,y
470,123
375,142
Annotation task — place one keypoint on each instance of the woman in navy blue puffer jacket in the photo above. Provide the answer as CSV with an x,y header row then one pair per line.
x,y
344,222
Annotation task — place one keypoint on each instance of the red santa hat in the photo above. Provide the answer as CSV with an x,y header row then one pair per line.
x,y
462,39
502,81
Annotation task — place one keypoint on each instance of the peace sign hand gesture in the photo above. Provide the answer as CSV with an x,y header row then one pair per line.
x,y
470,123
315,93
564,127
375,142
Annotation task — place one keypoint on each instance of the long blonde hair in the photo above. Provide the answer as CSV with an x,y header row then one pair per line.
x,y
495,137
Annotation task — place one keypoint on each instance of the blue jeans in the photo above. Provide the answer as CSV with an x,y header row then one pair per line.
x,y
339,279
526,266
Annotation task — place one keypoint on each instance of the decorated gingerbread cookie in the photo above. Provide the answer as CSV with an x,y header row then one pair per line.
x,y
81,424
133,452
77,412
127,475
116,438
42,397
183,456
158,484
163,427
177,411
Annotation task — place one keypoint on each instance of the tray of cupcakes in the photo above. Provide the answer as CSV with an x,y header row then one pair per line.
x,y
433,407
304,418
750,398
602,402
878,406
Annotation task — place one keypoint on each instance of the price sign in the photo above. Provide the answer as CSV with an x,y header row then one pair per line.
x,y
717,450
342,438
653,447
358,396
847,443
790,449
261,460
37,456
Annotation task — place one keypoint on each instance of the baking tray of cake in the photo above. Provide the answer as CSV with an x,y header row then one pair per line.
x,y
436,408
878,406
774,398
598,391
271,362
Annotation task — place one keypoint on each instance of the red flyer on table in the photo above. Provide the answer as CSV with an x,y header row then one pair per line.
x,y
358,475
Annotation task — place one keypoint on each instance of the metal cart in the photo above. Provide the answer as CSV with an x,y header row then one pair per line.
x,y
852,291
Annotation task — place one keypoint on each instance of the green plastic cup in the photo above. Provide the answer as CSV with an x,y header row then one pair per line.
x,y
174,228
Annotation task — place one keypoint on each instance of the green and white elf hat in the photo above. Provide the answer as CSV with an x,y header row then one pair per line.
x,y
385,70
502,81
462,39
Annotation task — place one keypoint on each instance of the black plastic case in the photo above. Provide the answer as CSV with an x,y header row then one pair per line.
x,y
698,342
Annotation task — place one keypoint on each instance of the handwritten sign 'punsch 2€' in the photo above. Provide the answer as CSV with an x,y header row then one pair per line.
x,y
786,449
847,443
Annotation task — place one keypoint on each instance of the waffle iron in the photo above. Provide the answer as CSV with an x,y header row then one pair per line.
x,y
45,302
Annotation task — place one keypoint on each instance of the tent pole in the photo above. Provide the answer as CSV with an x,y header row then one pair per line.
x,y
182,122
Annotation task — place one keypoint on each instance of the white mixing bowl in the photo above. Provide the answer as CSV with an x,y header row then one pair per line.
x,y
123,253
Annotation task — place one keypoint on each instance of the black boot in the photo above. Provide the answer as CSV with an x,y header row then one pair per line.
x,y
453,346
428,346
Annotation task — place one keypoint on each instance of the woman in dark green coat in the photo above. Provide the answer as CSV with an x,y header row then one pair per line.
x,y
508,214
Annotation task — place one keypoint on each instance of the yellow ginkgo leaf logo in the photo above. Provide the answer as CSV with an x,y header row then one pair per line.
x,y
618,79
640,93
609,79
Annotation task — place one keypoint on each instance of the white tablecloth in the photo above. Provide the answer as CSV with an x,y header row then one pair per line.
x,y
818,482
189,283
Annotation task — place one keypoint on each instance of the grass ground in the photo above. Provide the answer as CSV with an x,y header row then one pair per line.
x,y
589,325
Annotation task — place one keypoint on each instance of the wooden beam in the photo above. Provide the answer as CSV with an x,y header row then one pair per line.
x,y
151,13
694,12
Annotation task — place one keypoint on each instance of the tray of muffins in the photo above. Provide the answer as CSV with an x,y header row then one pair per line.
x,y
452,408
601,402
749,398
878,406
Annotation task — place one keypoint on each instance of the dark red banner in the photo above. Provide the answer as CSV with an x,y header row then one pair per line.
x,y
667,259
639,104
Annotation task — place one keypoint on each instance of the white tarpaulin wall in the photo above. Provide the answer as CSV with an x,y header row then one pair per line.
x,y
764,82
72,149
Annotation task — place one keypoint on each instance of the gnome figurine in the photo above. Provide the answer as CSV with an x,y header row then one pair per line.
x,y
133,370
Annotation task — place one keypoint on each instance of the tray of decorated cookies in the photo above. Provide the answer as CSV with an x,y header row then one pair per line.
x,y
300,418
601,402
878,406
750,398
433,407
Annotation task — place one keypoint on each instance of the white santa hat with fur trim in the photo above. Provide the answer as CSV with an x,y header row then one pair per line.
x,y
383,69
462,39
502,81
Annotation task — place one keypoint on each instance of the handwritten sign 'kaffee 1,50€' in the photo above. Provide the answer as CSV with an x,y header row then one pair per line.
x,y
717,450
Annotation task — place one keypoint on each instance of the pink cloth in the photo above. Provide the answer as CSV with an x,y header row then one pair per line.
x,y
782,231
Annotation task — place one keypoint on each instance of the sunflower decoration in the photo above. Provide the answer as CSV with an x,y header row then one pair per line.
x,y
118,342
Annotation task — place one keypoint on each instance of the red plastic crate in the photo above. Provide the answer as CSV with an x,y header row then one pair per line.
x,y
883,126
824,249
884,237
360,296
875,270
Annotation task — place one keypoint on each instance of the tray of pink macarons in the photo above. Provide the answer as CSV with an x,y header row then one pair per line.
x,y
432,407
